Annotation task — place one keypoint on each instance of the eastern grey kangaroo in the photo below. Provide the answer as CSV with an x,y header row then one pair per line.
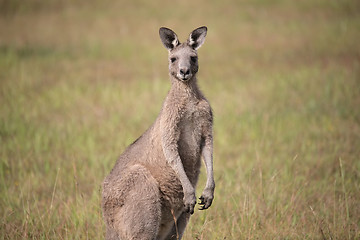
x,y
150,192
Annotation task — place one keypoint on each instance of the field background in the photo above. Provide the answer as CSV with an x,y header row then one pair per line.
x,y
80,80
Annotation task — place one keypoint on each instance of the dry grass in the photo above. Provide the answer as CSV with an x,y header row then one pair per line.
x,y
282,77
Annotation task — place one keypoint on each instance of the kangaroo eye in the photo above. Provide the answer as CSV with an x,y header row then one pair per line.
x,y
193,59
172,59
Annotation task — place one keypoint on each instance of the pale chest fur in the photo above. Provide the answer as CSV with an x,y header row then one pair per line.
x,y
190,126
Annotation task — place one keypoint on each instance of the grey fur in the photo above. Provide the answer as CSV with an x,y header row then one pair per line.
x,y
153,182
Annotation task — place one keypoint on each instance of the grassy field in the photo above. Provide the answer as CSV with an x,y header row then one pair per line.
x,y
80,80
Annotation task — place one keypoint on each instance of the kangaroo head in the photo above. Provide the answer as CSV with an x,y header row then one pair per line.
x,y
183,60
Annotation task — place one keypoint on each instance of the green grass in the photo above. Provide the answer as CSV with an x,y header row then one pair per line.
x,y
80,81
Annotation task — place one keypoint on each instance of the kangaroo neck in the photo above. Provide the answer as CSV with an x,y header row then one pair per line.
x,y
187,89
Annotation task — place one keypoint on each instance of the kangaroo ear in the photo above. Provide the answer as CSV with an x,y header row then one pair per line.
x,y
168,38
197,37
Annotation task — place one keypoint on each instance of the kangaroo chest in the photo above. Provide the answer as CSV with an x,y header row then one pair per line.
x,y
190,128
190,140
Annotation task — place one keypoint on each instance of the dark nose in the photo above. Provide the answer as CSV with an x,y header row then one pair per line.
x,y
185,71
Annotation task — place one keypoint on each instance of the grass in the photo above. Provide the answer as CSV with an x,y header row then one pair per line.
x,y
80,81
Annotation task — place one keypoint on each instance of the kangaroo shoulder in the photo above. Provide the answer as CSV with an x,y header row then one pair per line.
x,y
204,109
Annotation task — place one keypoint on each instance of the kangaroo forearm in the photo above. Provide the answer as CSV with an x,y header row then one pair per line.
x,y
174,160
210,182
208,160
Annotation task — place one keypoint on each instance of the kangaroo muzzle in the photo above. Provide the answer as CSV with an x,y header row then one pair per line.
x,y
184,74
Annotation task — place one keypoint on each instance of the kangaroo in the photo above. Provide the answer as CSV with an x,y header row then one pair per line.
x,y
150,192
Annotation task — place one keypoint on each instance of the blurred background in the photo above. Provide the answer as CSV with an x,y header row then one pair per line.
x,y
81,80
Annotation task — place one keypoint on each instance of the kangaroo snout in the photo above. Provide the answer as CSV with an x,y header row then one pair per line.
x,y
184,74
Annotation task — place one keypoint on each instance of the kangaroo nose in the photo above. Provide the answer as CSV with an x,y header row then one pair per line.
x,y
185,71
